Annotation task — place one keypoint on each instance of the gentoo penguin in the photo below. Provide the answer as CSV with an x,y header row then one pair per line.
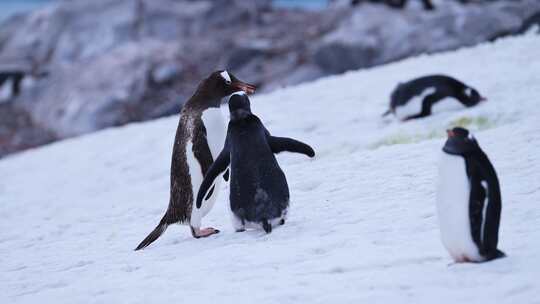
x,y
199,138
259,194
423,96
468,200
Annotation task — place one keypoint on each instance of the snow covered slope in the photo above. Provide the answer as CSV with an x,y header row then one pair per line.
x,y
362,226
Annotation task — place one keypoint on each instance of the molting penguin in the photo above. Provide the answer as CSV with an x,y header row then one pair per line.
x,y
425,95
199,138
468,200
259,194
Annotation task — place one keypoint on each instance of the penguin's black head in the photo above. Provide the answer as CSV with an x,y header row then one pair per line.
x,y
460,141
239,106
473,96
221,84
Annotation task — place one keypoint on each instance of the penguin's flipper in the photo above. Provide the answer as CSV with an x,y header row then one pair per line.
x,y
477,201
494,205
201,149
220,164
280,144
226,175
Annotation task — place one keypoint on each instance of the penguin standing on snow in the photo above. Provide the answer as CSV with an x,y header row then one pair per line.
x,y
468,200
259,194
426,95
199,138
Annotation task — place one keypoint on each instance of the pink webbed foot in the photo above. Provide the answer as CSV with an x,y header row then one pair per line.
x,y
202,233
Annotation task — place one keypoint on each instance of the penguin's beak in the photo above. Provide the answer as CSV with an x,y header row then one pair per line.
x,y
242,86
482,98
450,133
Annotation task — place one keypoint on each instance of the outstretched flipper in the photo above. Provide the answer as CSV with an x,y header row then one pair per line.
x,y
280,144
219,166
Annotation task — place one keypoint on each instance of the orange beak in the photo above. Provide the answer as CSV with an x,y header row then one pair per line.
x,y
246,87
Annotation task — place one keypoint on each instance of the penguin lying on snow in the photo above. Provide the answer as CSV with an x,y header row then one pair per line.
x,y
259,194
468,200
199,138
425,95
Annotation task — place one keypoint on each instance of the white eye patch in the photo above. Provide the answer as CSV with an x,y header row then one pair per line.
x,y
225,76
471,137
468,92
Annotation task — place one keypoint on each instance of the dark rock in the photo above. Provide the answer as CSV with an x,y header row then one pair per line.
x,y
110,62
374,35
18,131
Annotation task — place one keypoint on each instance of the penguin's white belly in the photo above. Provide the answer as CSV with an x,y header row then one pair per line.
x,y
453,209
216,130
215,135
445,105
414,105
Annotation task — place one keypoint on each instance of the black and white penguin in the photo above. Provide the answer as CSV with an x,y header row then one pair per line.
x,y
259,194
424,96
468,200
199,138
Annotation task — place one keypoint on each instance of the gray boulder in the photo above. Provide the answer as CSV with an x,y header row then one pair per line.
x,y
375,34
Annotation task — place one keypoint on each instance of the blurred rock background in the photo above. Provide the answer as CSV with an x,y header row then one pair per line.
x,y
87,65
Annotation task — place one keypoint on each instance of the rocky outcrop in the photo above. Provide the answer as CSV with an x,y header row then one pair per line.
x,y
19,132
375,34
110,62
116,61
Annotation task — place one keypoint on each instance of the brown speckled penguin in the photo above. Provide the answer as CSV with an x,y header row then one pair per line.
x,y
199,138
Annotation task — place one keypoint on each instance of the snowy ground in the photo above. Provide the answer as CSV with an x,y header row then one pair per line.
x,y
362,228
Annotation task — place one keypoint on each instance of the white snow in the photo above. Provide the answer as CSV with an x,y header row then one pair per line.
x,y
362,226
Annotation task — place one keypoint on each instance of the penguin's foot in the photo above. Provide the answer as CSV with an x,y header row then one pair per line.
x,y
201,233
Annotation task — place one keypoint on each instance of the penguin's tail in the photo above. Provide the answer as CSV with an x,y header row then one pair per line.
x,y
386,113
266,226
154,235
496,255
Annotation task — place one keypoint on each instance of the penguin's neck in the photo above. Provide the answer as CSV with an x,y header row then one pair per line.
x,y
197,105
462,98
